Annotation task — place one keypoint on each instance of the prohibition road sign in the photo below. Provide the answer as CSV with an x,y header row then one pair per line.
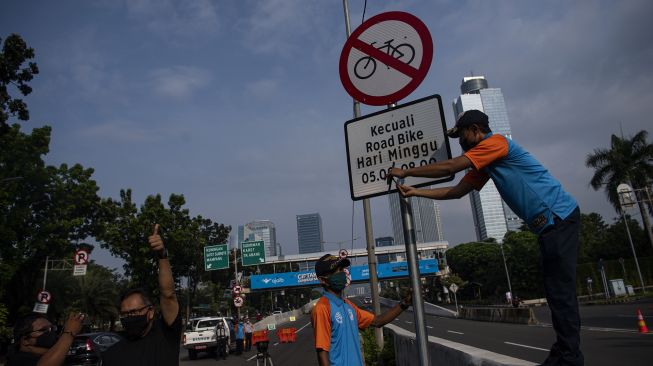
x,y
343,253
386,58
238,301
43,297
237,290
81,257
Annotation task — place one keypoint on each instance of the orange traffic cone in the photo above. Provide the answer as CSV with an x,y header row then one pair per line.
x,y
641,323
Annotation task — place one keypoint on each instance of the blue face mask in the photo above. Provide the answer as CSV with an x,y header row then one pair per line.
x,y
337,281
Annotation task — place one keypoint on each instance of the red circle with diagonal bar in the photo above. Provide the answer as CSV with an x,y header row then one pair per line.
x,y
386,58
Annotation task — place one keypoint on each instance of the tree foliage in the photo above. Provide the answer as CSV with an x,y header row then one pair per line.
x,y
44,211
127,227
14,74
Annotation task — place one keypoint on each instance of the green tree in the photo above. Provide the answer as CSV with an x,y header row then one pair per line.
x,y
44,213
127,227
628,160
14,74
523,259
479,263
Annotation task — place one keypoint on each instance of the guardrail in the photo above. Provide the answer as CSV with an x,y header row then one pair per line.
x,y
283,317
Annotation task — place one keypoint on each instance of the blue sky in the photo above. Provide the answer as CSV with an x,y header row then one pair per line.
x,y
238,104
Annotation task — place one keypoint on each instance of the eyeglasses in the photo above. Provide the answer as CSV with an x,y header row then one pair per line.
x,y
134,312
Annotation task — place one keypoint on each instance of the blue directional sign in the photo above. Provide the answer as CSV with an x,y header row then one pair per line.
x,y
358,274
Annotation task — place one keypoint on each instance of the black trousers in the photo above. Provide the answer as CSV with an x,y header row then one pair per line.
x,y
239,346
221,352
559,248
248,341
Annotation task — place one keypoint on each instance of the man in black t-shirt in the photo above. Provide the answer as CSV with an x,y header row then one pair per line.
x,y
150,338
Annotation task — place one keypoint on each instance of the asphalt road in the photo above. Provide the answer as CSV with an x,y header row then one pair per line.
x,y
282,354
609,337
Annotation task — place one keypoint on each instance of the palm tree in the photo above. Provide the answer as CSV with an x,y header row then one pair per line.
x,y
627,161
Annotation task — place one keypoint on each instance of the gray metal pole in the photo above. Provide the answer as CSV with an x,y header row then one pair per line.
x,y
45,272
367,213
505,266
415,283
632,247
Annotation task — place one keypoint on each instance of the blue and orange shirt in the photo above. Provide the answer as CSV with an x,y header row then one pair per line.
x,y
335,326
524,184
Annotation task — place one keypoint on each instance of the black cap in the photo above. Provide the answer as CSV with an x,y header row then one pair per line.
x,y
328,263
466,119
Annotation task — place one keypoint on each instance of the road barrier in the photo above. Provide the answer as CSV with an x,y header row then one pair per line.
x,y
260,336
287,335
445,352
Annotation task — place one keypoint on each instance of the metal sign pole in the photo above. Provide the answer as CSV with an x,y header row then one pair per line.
x,y
415,283
45,272
367,214
632,247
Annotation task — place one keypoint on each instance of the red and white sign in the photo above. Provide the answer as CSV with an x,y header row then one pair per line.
x,y
238,301
346,270
386,58
237,290
343,253
81,257
44,297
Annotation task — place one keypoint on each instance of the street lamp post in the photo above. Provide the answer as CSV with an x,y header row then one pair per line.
x,y
626,200
505,266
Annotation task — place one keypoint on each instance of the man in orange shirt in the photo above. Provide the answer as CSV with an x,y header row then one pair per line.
x,y
536,197
336,321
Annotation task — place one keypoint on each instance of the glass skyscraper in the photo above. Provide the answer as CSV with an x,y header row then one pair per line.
x,y
309,233
426,219
492,217
260,230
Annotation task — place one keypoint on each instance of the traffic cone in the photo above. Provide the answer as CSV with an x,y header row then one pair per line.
x,y
641,323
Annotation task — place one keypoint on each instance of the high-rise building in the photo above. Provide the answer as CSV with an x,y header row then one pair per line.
x,y
492,217
309,233
426,219
260,230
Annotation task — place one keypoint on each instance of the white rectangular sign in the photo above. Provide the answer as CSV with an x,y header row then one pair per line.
x,y
40,308
408,135
79,270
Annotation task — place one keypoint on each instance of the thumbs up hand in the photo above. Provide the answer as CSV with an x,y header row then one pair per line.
x,y
156,243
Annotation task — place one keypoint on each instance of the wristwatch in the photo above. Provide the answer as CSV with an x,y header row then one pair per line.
x,y
403,306
69,332
163,254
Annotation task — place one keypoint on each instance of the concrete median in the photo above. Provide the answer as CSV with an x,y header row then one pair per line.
x,y
445,352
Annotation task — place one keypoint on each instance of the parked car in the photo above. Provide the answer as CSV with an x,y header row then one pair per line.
x,y
87,347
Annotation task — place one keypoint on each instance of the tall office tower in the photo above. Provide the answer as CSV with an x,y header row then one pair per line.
x,y
385,241
426,218
309,233
492,217
262,230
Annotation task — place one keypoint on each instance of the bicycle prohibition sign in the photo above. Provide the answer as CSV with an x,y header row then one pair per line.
x,y
366,65
386,58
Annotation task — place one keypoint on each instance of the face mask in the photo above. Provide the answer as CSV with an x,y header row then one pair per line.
x,y
46,340
337,281
134,325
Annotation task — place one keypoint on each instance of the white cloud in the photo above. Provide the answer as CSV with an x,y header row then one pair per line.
x,y
122,131
175,17
179,81
264,88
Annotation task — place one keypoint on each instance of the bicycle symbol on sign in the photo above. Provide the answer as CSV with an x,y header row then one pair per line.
x,y
366,65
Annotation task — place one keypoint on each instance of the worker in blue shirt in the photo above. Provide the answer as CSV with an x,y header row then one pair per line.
x,y
536,197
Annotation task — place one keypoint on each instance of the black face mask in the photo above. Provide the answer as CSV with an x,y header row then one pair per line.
x,y
46,340
134,325
464,145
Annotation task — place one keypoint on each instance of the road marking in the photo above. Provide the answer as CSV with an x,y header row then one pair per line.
x,y
525,346
452,331
300,329
276,344
596,329
430,327
408,322
251,358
